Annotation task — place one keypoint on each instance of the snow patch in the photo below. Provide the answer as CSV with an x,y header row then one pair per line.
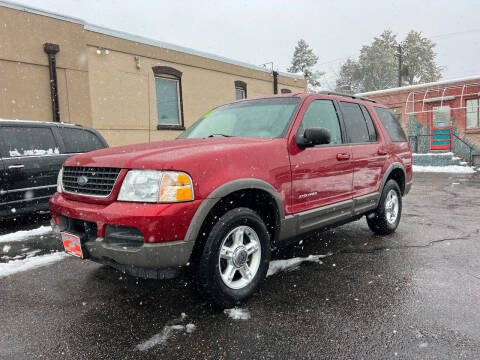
x,y
238,313
292,264
444,169
167,332
34,152
6,248
22,235
16,266
434,154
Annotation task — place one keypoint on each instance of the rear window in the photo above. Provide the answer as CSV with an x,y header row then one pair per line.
x,y
27,141
393,127
80,140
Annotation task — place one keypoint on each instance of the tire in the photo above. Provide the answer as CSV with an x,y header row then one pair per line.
x,y
230,248
385,219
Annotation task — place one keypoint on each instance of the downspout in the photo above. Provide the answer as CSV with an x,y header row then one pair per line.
x,y
52,50
275,81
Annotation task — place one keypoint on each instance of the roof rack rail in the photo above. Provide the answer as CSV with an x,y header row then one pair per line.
x,y
346,95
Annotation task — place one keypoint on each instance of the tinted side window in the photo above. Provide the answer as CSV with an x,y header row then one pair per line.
x,y
79,140
321,113
355,124
393,127
27,141
370,126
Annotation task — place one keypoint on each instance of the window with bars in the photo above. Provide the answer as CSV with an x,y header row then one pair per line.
x,y
472,113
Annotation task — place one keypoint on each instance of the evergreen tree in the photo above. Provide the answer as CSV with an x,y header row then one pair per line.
x,y
303,61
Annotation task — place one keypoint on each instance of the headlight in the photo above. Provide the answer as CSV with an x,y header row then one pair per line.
x,y
59,181
156,186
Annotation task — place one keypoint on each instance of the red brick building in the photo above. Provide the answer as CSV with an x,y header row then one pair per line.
x,y
443,115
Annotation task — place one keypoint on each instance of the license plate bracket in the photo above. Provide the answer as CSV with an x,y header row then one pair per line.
x,y
73,245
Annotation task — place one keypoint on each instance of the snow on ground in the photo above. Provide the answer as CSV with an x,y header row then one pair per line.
x,y
444,169
292,264
6,249
167,332
22,235
238,313
29,263
434,154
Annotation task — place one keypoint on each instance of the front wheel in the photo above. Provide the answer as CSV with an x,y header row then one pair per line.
x,y
386,217
235,258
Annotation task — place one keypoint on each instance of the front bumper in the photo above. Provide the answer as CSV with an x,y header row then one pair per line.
x,y
163,226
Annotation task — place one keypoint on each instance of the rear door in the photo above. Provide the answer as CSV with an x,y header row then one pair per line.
x,y
31,166
368,156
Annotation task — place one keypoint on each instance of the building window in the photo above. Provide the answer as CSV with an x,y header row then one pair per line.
x,y
473,115
397,114
240,90
168,88
285,91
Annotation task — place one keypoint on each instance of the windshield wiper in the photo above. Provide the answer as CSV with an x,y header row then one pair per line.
x,y
213,135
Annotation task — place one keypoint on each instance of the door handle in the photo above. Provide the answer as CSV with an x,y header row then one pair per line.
x,y
18,166
381,152
343,156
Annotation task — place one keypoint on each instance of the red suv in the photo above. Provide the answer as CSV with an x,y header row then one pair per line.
x,y
243,178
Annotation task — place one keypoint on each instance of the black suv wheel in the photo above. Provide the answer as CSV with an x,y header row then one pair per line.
x,y
386,217
235,258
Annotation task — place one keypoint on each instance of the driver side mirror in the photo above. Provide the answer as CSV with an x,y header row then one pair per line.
x,y
312,137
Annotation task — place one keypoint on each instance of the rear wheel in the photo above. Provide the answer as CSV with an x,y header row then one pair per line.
x,y
386,217
235,258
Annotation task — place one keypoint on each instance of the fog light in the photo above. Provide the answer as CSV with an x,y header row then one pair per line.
x,y
123,236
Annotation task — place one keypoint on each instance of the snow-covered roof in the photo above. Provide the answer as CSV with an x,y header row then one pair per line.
x,y
141,39
34,122
419,86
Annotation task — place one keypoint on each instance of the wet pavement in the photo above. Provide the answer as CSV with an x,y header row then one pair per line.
x,y
412,295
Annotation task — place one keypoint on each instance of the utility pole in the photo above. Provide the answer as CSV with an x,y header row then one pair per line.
x,y
402,69
399,55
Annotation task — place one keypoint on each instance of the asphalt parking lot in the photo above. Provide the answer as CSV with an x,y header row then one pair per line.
x,y
412,295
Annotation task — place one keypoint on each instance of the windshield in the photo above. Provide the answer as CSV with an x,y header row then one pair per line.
x,y
262,118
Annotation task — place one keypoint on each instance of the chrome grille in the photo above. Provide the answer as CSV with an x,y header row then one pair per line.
x,y
100,181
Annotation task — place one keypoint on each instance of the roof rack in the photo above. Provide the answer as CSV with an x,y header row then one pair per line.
x,y
346,95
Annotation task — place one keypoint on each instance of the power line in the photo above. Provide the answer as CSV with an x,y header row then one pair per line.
x,y
454,33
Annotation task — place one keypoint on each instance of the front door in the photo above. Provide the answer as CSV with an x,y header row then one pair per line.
x,y
323,174
441,127
3,189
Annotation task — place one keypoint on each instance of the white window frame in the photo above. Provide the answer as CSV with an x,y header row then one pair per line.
x,y
177,81
243,93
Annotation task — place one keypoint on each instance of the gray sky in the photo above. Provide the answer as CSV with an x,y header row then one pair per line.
x,y
267,30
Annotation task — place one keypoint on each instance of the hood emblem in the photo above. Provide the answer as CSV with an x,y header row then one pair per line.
x,y
82,180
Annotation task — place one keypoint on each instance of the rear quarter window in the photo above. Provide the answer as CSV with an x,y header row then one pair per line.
x,y
355,123
80,140
393,127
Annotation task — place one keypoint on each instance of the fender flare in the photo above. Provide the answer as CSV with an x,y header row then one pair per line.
x,y
393,166
216,195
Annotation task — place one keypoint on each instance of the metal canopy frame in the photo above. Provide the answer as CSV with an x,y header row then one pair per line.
x,y
422,96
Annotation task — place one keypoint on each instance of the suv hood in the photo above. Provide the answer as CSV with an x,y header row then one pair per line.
x,y
164,155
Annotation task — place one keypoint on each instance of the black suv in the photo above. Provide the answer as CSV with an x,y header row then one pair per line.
x,y
31,155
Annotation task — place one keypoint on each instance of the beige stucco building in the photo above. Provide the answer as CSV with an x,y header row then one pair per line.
x,y
115,82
